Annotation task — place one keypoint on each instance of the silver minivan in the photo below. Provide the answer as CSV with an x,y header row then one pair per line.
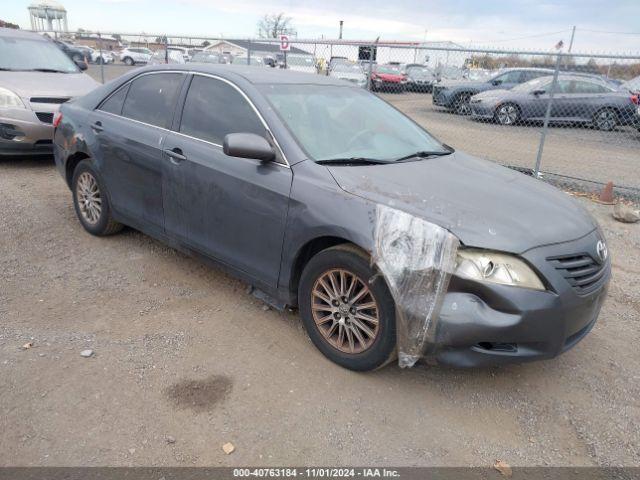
x,y
36,77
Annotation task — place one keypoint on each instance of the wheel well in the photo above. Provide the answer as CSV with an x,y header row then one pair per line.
x,y
71,164
310,249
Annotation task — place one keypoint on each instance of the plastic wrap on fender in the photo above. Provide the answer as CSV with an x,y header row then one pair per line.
x,y
417,259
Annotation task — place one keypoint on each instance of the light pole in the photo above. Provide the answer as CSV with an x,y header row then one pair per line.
x,y
340,34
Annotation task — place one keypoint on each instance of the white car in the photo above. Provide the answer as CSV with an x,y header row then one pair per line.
x,y
183,51
161,57
301,63
133,55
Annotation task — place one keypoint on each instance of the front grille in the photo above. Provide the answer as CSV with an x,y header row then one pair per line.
x,y
582,272
45,117
57,100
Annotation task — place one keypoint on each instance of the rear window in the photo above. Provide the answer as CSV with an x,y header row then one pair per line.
x,y
152,98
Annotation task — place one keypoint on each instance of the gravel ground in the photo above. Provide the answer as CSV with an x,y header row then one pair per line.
x,y
184,360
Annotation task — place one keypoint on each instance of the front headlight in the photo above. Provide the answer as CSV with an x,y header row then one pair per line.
x,y
8,99
494,267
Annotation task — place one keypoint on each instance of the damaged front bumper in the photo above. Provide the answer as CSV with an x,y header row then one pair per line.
x,y
482,324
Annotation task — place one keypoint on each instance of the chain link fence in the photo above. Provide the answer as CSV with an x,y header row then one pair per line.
x,y
571,118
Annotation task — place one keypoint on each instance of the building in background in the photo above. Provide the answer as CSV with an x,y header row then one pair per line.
x,y
48,16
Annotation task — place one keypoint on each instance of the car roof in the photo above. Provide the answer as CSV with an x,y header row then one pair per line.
x,y
252,74
13,33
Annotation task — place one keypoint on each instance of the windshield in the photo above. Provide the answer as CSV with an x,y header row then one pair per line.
x,y
388,70
632,85
300,61
419,72
208,58
539,83
26,54
478,74
348,68
243,61
331,122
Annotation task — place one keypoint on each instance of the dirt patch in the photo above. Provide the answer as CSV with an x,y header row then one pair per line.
x,y
200,395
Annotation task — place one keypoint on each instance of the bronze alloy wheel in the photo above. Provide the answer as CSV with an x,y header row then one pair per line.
x,y
345,311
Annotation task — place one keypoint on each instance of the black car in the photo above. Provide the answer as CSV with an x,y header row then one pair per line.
x,y
455,94
577,99
326,198
74,53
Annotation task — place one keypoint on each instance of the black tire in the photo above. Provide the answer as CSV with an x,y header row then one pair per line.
x,y
606,119
461,105
104,224
507,114
128,61
351,259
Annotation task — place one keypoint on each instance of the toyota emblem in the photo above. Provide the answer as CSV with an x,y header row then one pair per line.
x,y
601,250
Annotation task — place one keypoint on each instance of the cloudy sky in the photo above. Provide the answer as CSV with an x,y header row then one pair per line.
x,y
610,26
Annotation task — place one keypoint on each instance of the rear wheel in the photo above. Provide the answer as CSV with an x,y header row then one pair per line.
x,y
606,119
507,114
91,202
347,309
461,104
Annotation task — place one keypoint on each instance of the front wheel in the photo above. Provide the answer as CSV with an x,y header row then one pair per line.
x,y
507,114
91,202
462,105
347,309
606,120
128,61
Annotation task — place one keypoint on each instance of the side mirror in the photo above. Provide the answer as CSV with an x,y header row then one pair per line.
x,y
538,92
248,145
81,64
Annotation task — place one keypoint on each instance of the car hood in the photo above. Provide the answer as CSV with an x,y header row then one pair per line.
x,y
349,76
485,205
43,84
389,77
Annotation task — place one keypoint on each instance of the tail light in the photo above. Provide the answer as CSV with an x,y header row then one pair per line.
x,y
57,118
635,99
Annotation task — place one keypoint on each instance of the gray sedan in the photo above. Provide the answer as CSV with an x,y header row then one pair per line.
x,y
326,198
577,99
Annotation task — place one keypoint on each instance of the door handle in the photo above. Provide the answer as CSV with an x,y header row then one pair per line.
x,y
97,127
175,155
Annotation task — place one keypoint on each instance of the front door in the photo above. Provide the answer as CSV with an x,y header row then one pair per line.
x,y
232,209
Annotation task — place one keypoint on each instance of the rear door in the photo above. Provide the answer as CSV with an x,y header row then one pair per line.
x,y
130,128
232,209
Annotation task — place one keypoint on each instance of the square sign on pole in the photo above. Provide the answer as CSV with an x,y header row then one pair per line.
x,y
285,46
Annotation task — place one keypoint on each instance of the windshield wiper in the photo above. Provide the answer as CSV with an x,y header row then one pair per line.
x,y
351,161
425,154
49,70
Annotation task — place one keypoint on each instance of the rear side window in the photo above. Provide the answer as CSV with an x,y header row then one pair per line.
x,y
114,103
531,74
152,98
214,109
587,87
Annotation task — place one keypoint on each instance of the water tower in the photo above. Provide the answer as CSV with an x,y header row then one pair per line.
x,y
48,16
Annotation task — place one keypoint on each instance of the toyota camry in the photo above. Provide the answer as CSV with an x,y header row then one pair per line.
x,y
326,198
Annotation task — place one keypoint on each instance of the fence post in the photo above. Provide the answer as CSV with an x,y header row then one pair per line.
x,y
249,51
100,57
547,116
166,49
370,67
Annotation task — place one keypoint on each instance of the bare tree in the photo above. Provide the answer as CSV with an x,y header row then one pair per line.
x,y
271,26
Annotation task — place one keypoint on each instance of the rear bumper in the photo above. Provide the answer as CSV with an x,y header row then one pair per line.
x,y
489,325
23,134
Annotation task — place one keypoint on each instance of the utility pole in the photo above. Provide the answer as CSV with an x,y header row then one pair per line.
x,y
340,34
573,33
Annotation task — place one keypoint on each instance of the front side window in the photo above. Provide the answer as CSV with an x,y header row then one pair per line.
x,y
214,109
331,122
152,98
509,77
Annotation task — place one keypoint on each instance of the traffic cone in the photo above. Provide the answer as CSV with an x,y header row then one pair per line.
x,y
606,195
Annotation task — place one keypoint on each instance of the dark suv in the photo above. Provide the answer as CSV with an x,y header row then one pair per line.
x,y
455,95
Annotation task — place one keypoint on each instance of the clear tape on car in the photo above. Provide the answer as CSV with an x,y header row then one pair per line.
x,y
417,259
